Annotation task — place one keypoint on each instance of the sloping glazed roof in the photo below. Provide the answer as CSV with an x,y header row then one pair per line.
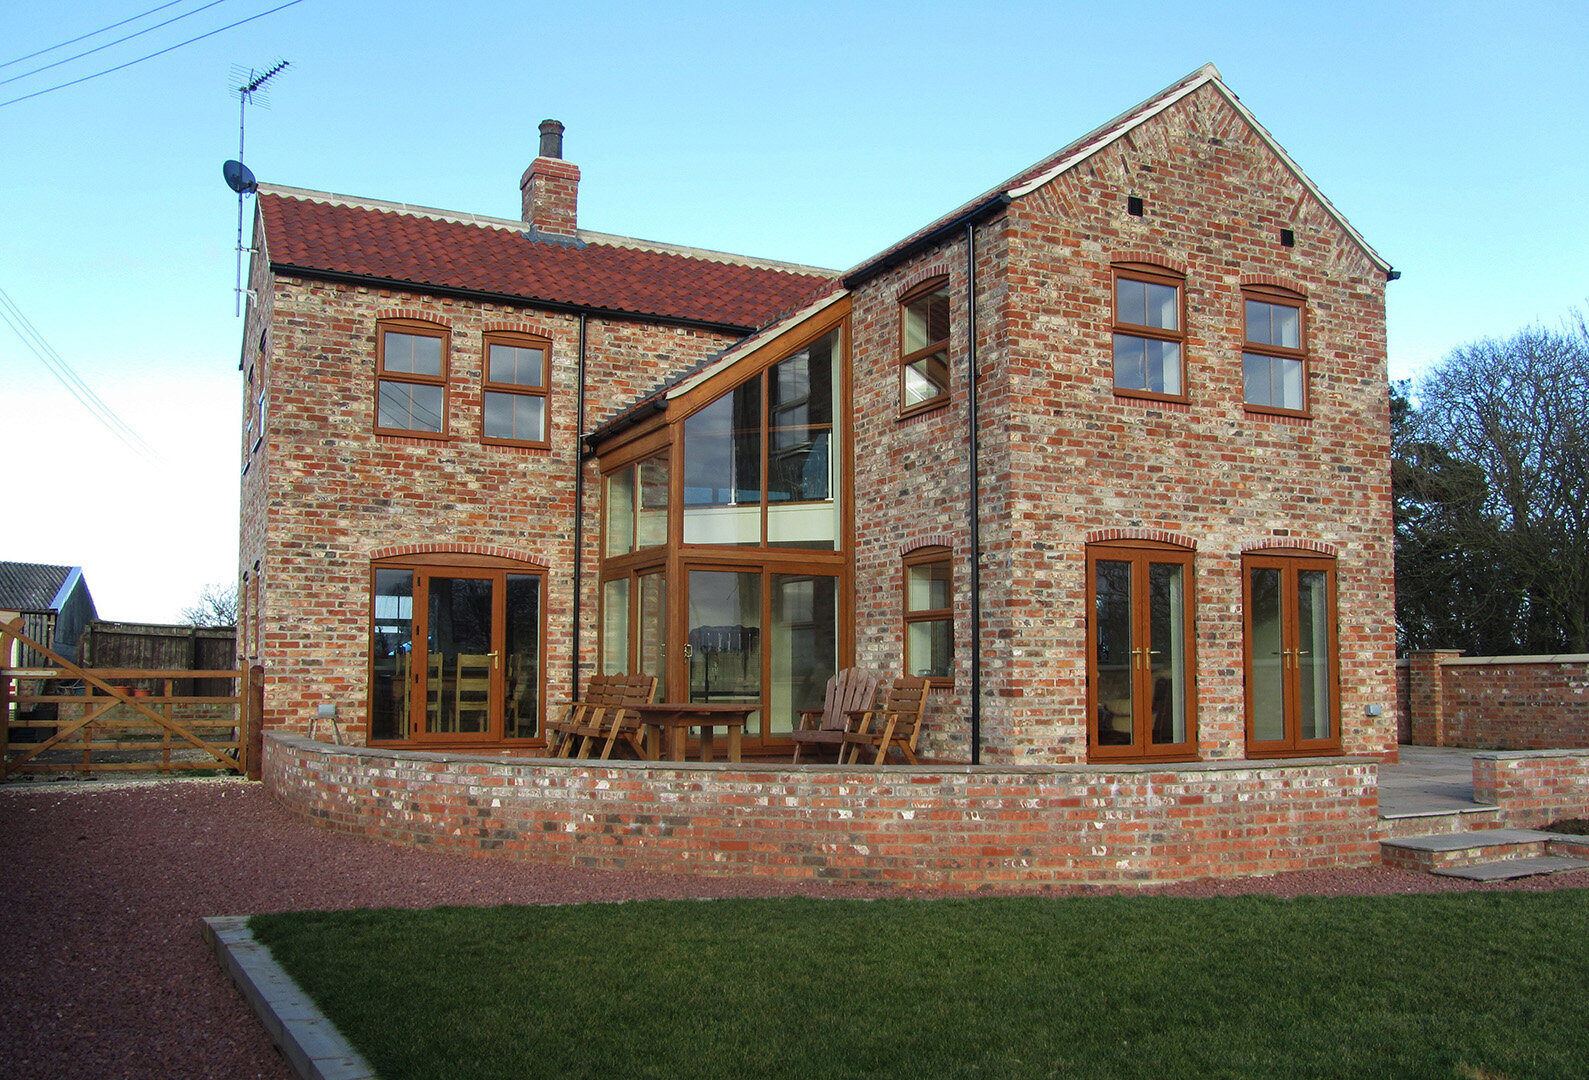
x,y
1069,157
320,234
35,586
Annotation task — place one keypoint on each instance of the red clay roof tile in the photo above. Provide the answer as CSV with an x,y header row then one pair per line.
x,y
309,234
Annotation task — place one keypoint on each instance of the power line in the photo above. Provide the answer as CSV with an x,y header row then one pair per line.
x,y
111,44
151,56
14,318
92,33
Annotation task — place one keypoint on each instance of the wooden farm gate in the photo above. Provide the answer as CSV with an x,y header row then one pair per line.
x,y
61,717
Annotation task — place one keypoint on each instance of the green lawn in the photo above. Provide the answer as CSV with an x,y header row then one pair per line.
x,y
1473,985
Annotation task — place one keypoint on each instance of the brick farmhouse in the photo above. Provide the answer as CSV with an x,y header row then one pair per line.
x,y
1102,452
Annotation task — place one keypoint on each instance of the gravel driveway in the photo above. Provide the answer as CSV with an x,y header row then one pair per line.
x,y
104,972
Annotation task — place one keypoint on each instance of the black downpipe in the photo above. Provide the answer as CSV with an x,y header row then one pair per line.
x,y
579,510
976,508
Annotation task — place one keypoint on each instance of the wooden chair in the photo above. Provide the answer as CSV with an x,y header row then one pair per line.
x,y
602,714
851,690
472,692
895,721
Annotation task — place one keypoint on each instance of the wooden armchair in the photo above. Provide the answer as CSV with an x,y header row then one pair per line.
x,y
895,721
602,714
851,690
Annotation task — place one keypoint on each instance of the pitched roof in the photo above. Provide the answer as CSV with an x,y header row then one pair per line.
x,y
317,233
34,586
1067,158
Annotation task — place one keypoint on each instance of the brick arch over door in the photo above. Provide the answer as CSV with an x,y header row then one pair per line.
x,y
481,550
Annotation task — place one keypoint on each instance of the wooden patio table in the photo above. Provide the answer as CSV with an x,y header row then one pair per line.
x,y
668,722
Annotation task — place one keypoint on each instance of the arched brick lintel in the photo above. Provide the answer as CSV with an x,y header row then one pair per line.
x,y
1290,543
916,544
413,314
486,550
1152,258
920,274
1098,536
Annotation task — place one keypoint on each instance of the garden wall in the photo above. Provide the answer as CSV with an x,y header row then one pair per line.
x,y
1495,702
1533,788
953,825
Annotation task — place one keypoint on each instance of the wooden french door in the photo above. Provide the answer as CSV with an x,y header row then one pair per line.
x,y
1293,704
456,655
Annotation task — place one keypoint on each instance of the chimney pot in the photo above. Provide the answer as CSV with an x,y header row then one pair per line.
x,y
551,139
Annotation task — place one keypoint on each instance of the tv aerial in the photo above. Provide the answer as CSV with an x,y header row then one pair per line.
x,y
238,176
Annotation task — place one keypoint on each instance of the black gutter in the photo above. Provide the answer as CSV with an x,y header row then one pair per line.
x,y
926,240
642,411
424,288
974,484
579,513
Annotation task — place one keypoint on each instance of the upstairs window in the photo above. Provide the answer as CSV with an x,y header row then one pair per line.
x,y
924,347
1149,333
411,378
516,378
1273,361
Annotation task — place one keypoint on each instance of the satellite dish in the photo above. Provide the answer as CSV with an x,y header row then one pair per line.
x,y
239,178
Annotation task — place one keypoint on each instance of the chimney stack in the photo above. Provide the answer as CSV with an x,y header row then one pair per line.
x,y
550,187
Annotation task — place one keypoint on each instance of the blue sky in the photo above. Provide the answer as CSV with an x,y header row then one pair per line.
x,y
1450,134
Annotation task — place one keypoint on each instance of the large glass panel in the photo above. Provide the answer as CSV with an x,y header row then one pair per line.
x,y
1147,303
517,364
1267,671
1274,324
930,648
409,406
724,636
615,627
722,469
1112,617
805,646
1147,364
515,416
653,627
802,452
618,515
927,586
521,649
1313,653
413,354
391,647
1275,381
1167,651
652,519
461,660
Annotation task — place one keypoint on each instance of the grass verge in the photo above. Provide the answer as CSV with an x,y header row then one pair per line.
x,y
1472,985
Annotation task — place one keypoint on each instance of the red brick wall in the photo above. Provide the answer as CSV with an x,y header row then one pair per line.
x,y
1533,788
957,825
1062,456
325,493
1499,703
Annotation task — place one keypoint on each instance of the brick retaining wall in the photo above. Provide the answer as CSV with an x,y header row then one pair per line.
x,y
1533,788
958,824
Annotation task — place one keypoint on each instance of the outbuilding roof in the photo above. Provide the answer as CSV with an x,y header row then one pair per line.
x,y
317,234
35,586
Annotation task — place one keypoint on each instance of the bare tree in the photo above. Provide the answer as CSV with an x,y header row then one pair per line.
x,y
1492,474
216,606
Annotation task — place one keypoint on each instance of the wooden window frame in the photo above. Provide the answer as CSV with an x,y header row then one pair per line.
x,y
544,391
1289,562
415,328
1141,553
1278,297
1152,275
926,556
906,359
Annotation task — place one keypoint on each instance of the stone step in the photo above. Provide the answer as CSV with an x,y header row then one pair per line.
x,y
1507,869
1451,850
